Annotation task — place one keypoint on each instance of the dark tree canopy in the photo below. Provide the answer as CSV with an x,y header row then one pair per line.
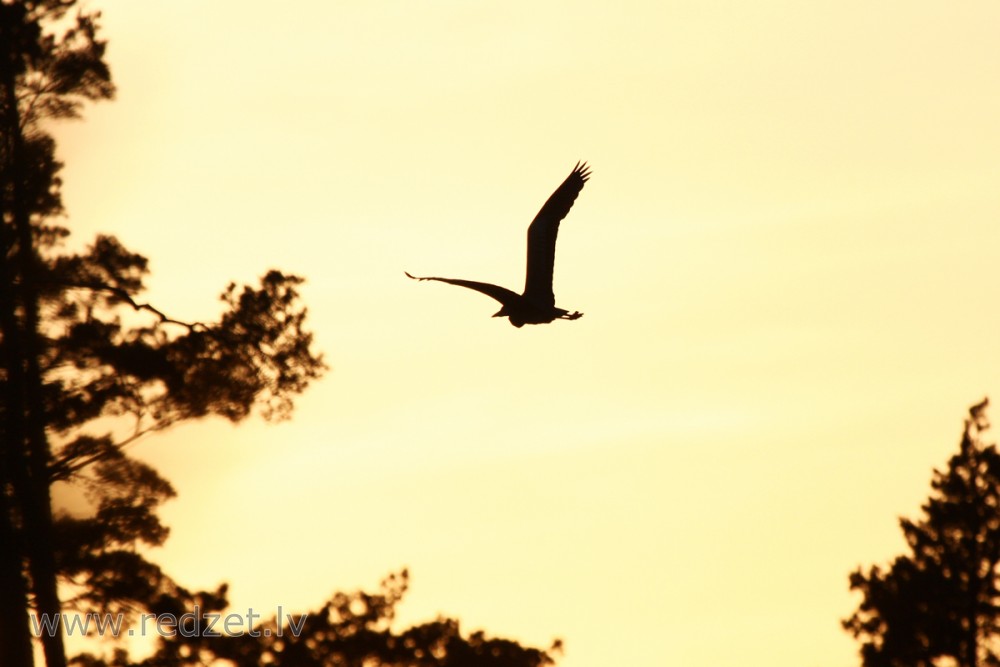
x,y
942,600
350,629
83,359
88,366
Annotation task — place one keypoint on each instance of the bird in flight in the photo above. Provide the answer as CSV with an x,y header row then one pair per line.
x,y
537,304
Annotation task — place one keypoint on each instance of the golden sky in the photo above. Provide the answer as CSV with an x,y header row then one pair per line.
x,y
786,256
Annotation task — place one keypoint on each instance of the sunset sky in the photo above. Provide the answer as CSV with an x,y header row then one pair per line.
x,y
787,259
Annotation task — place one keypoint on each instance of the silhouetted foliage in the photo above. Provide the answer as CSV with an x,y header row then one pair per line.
x,y
88,367
941,600
45,72
350,629
79,353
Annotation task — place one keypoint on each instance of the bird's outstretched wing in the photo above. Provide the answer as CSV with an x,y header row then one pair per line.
x,y
542,237
501,294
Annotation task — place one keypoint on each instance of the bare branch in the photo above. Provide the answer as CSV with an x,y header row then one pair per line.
x,y
127,298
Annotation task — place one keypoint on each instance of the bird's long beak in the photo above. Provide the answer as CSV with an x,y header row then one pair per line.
x,y
500,313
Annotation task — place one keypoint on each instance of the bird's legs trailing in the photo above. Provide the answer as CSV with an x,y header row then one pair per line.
x,y
575,315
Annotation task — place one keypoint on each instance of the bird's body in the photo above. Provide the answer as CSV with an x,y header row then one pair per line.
x,y
537,304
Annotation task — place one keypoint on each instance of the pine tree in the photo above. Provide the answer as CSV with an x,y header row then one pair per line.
x,y
941,600
82,355
79,348
350,629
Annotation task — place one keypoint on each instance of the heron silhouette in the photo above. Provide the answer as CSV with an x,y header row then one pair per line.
x,y
537,304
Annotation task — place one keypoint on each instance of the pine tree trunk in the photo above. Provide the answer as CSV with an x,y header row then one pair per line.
x,y
15,637
38,502
31,483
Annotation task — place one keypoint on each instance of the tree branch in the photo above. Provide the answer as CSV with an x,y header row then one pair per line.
x,y
127,298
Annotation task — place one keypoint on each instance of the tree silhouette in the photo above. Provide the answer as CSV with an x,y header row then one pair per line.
x,y
350,629
79,350
41,76
941,600
88,367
